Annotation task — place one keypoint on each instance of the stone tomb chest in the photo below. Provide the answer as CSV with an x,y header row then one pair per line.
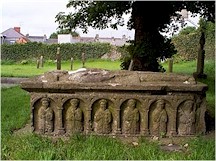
x,y
128,103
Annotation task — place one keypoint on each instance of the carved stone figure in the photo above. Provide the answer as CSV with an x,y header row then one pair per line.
x,y
102,118
49,120
41,115
74,117
46,117
131,118
186,118
160,118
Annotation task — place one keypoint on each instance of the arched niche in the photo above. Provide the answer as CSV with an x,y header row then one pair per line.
x,y
103,118
73,117
40,116
186,118
160,115
130,116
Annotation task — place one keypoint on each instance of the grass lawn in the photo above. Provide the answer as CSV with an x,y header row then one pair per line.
x,y
15,113
28,70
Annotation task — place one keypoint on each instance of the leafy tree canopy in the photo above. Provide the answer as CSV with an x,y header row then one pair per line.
x,y
104,14
187,30
148,18
54,35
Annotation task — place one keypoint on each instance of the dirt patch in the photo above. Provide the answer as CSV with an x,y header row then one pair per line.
x,y
172,147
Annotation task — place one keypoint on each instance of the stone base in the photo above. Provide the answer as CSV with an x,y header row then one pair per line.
x,y
118,103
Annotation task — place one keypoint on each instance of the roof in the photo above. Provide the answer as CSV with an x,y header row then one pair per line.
x,y
87,39
12,33
51,41
37,38
112,40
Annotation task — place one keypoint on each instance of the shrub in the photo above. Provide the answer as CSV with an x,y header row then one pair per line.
x,y
187,43
187,47
7,62
33,50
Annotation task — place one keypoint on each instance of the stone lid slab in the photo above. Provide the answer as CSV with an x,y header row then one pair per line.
x,y
95,79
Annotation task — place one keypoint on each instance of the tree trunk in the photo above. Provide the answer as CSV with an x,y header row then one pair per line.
x,y
145,35
148,40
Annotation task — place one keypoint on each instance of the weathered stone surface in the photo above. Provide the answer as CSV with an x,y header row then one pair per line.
x,y
106,102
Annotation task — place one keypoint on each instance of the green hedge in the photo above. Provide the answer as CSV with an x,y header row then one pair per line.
x,y
187,47
33,50
187,44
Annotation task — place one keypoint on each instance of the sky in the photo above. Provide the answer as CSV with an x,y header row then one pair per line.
x,y
37,17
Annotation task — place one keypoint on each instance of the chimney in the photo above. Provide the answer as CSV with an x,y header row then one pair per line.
x,y
123,37
44,38
17,29
96,37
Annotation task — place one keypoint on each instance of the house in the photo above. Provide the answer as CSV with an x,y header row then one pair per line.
x,y
22,40
67,38
114,41
42,39
13,35
51,41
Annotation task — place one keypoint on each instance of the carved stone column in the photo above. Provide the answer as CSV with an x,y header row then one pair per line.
x,y
33,114
32,119
59,120
172,121
144,123
118,118
88,121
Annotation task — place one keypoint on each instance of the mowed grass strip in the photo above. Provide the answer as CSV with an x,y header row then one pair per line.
x,y
29,70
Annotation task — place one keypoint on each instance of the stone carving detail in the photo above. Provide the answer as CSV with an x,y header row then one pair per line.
x,y
74,117
122,102
186,118
46,117
159,118
131,118
102,118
